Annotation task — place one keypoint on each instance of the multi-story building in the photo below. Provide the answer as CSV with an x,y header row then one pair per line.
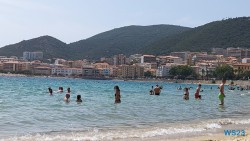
x,y
246,60
148,59
88,71
163,71
183,55
235,52
101,65
42,70
119,59
110,61
66,71
241,68
30,56
135,58
132,71
219,51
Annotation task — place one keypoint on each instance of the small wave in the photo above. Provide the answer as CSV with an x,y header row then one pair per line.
x,y
128,133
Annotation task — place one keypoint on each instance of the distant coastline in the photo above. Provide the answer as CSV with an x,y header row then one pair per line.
x,y
209,82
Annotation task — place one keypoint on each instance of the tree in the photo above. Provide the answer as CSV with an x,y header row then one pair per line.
x,y
182,72
148,74
224,71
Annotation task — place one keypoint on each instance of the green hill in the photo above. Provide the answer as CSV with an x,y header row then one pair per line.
x,y
51,47
127,40
220,34
155,39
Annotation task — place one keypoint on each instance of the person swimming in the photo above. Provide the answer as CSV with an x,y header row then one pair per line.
x,y
68,90
186,94
50,91
78,98
60,89
66,98
117,94
179,88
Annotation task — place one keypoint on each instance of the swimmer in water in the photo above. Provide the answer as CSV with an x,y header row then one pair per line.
x,y
186,94
78,98
66,98
117,94
50,91
157,90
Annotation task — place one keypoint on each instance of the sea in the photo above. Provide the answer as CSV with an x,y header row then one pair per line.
x,y
29,112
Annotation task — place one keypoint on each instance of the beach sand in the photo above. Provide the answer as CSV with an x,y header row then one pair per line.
x,y
216,137
209,137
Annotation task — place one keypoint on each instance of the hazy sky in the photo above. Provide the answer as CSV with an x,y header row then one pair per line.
x,y
73,20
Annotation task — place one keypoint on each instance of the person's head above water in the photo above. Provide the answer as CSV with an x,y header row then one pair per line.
x,y
157,85
117,88
67,96
199,85
186,89
68,90
78,97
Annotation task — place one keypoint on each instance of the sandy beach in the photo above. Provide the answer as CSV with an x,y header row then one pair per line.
x,y
216,137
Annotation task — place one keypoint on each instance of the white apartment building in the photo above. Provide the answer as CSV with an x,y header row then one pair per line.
x,y
163,71
66,71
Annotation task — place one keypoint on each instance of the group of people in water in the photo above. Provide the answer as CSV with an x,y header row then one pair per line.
x,y
197,95
153,91
78,97
67,96
156,90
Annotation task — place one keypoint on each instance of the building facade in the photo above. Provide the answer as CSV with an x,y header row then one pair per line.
x,y
30,56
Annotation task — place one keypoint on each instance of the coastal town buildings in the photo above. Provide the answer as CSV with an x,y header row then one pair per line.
x,y
136,66
30,56
132,71
119,59
148,59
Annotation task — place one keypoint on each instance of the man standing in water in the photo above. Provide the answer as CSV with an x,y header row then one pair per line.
x,y
157,90
221,94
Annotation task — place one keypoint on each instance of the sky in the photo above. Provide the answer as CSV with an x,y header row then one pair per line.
x,y
74,20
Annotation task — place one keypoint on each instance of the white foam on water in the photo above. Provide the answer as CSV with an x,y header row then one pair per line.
x,y
127,133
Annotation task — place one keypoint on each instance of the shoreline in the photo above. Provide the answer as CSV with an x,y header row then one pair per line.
x,y
155,80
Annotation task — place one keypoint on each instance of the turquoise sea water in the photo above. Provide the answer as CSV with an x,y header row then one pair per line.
x,y
28,112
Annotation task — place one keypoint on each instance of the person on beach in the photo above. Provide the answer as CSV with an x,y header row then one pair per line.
x,y
117,94
78,98
157,90
50,91
152,91
197,93
186,94
222,94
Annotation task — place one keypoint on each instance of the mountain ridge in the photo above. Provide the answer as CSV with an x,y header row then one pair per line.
x,y
153,39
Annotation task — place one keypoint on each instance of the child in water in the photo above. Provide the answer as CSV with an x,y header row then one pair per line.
x,y
186,94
